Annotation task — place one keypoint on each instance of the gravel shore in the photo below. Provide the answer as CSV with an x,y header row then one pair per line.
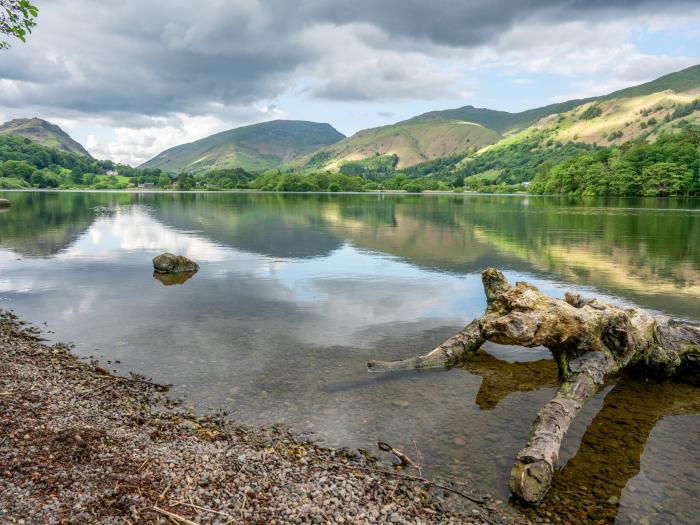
x,y
80,445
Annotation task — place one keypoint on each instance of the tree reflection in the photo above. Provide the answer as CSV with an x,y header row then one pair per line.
x,y
591,484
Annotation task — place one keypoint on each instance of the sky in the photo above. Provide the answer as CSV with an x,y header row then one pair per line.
x,y
129,79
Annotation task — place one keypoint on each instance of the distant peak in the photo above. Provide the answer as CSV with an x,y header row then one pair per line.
x,y
42,132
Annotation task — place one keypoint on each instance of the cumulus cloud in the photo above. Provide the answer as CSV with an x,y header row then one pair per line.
x,y
165,71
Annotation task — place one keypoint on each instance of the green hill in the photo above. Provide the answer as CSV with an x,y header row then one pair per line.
x,y
254,148
43,133
412,142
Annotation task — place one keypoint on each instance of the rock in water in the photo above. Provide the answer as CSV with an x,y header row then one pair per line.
x,y
4,203
170,263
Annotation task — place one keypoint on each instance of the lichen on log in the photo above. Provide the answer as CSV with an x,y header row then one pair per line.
x,y
589,339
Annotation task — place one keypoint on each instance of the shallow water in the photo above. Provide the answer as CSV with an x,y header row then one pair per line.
x,y
296,292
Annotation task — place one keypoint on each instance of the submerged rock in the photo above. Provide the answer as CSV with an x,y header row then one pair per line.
x,y
4,203
170,263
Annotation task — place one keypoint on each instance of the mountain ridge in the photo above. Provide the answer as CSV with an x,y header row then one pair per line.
x,y
255,147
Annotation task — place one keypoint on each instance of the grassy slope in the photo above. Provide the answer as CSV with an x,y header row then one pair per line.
x,y
44,133
413,142
630,116
253,148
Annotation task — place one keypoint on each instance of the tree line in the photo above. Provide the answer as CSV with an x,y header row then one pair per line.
x,y
668,166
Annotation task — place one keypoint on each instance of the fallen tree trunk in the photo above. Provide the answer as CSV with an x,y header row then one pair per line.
x,y
589,340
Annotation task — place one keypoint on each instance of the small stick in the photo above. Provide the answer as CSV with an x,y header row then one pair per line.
x,y
162,495
403,458
245,498
393,491
475,499
202,508
173,516
419,461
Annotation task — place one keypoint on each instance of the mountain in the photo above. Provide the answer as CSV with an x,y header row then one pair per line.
x,y
412,142
430,136
254,148
666,105
43,133
437,134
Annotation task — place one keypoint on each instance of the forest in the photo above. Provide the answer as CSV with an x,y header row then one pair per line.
x,y
666,167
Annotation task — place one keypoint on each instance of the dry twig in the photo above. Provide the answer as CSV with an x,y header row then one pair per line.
x,y
173,516
425,481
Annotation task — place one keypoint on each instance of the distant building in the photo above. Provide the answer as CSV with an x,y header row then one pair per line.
x,y
147,186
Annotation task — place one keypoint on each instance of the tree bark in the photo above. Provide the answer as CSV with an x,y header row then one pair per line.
x,y
589,340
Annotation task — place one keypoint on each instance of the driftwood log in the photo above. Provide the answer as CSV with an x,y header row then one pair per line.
x,y
589,340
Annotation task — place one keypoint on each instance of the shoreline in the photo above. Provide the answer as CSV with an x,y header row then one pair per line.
x,y
264,192
137,191
80,445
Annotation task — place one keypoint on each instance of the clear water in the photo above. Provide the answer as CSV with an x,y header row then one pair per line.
x,y
296,292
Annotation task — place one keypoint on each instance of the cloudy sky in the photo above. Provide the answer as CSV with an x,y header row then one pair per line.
x,y
131,78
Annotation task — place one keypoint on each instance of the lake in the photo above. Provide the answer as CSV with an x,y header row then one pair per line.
x,y
296,292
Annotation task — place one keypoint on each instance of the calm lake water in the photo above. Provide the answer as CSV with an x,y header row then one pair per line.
x,y
296,292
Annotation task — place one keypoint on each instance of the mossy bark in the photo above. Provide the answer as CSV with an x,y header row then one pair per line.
x,y
589,339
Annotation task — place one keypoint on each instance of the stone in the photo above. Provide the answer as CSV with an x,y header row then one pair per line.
x,y
170,263
4,203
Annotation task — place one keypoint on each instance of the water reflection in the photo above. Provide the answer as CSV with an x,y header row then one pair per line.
x,y
501,378
592,484
170,279
296,292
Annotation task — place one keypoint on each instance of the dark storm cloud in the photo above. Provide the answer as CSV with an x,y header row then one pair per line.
x,y
159,57
468,23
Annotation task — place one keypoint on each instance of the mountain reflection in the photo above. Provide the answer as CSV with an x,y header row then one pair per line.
x,y
637,250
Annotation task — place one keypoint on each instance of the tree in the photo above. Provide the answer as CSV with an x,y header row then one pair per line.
x,y
667,178
185,182
18,169
17,18
163,181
